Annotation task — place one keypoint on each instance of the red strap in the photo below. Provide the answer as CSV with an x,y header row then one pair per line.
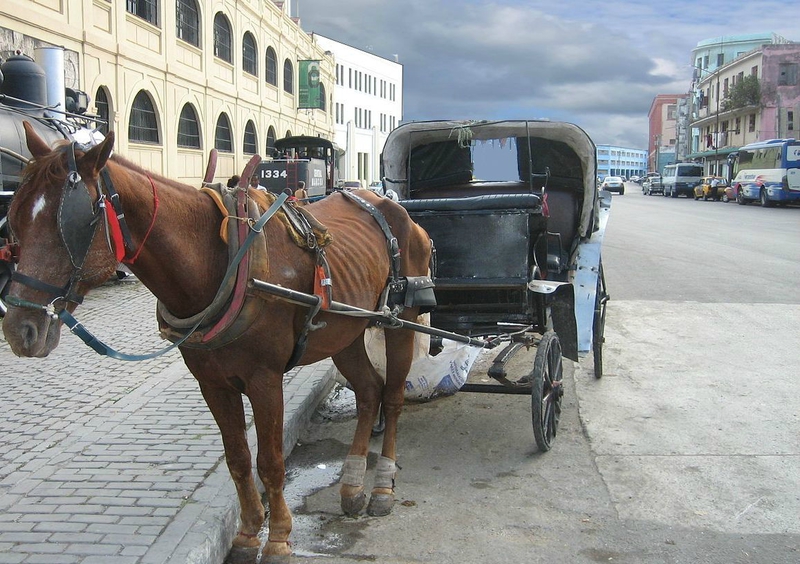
x,y
321,280
152,223
115,231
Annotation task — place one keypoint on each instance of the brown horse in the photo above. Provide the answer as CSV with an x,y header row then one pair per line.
x,y
181,258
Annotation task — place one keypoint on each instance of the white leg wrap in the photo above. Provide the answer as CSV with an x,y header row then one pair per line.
x,y
385,472
353,470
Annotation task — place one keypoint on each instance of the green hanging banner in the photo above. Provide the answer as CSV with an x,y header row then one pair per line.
x,y
310,88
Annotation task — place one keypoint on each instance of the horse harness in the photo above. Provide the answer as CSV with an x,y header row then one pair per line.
x,y
78,219
312,236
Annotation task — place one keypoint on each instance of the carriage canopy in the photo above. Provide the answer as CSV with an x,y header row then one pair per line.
x,y
430,158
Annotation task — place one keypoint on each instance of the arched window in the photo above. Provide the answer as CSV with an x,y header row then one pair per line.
x,y
272,67
222,38
250,145
143,126
188,128
103,110
223,137
270,141
288,77
322,95
145,9
249,56
187,19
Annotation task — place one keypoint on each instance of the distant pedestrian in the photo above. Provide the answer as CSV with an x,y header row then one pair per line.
x,y
301,194
289,194
233,181
254,183
715,182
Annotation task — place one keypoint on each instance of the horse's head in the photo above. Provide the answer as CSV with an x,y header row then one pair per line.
x,y
55,216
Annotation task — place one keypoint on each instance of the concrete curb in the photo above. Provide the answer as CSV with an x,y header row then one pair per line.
x,y
203,530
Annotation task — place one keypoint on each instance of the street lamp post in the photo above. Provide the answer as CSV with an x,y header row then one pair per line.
x,y
716,131
714,76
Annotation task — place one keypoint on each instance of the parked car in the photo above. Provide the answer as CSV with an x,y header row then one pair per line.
x,y
681,178
729,194
377,187
708,189
613,184
652,184
636,179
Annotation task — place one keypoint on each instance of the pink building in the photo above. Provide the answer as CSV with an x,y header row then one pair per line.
x,y
663,126
780,91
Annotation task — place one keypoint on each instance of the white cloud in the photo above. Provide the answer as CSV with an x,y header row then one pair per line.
x,y
599,65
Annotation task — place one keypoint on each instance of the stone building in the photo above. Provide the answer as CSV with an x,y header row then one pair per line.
x,y
176,79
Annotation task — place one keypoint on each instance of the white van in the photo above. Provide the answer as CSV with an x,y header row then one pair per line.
x,y
681,178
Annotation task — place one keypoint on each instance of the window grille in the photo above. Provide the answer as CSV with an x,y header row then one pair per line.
x,y
222,38
103,110
143,127
188,128
250,144
272,67
288,77
223,139
187,19
145,9
249,57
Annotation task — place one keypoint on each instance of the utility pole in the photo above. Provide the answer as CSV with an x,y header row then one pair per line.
x,y
716,132
658,153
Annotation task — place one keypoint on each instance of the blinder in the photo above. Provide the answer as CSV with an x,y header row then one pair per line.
x,y
77,220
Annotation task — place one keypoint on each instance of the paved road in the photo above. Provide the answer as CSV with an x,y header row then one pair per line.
x,y
111,462
685,452
696,424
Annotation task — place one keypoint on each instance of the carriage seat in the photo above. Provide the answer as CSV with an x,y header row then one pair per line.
x,y
562,230
490,202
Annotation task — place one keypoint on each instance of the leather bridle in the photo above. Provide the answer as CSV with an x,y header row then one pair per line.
x,y
78,218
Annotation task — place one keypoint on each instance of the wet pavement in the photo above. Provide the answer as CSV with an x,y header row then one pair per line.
x,y
106,461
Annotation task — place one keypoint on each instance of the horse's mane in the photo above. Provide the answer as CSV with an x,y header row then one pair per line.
x,y
51,169
47,169
122,161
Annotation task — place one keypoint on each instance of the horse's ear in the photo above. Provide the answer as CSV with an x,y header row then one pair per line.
x,y
99,154
36,145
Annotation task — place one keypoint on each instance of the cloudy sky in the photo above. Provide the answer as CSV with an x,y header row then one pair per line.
x,y
596,64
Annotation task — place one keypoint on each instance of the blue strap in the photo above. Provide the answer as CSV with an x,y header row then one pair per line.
x,y
101,348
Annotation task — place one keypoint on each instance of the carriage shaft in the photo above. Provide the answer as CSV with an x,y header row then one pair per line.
x,y
386,319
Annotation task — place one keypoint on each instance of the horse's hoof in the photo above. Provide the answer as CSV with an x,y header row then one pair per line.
x,y
276,553
352,506
380,505
245,541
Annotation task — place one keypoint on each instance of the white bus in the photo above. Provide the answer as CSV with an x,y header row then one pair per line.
x,y
768,172
681,178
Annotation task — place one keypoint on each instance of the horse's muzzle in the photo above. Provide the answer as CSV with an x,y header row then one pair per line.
x,y
31,334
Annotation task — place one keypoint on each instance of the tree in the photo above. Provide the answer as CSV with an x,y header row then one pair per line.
x,y
746,92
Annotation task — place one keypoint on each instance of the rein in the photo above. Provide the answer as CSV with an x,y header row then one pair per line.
x,y
101,348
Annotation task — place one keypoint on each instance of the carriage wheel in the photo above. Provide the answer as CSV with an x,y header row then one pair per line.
x,y
546,390
599,323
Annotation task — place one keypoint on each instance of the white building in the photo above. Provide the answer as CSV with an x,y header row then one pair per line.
x,y
367,105
620,161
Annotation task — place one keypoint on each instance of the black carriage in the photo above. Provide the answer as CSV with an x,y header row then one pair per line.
x,y
517,223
